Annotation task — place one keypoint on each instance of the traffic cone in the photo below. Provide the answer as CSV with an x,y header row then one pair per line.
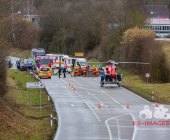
x,y
72,86
69,84
99,106
74,89
127,105
156,105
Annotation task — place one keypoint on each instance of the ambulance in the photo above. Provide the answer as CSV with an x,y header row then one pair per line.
x,y
57,60
68,62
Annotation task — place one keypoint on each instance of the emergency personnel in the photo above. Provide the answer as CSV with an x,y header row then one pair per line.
x,y
94,71
72,69
59,71
102,77
80,70
84,71
18,66
76,69
89,67
64,71
100,67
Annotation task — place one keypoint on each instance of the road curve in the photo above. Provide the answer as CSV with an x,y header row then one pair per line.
x,y
81,119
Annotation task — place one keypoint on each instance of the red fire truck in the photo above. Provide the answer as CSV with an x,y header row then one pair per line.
x,y
37,52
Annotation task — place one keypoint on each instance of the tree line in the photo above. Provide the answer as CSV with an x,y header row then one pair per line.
x,y
97,28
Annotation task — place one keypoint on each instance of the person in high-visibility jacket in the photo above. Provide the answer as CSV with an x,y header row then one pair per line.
x,y
80,71
76,71
94,71
84,71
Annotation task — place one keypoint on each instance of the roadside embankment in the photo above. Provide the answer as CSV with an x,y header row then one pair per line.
x,y
17,122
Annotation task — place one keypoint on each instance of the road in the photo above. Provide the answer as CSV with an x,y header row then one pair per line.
x,y
81,119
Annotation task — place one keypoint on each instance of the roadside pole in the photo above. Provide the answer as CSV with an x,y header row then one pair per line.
x,y
152,95
147,75
147,83
29,98
40,99
34,85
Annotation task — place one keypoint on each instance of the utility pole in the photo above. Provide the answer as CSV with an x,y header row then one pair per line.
x,y
12,16
28,7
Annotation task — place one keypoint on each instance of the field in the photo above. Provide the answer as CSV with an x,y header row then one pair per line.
x,y
17,122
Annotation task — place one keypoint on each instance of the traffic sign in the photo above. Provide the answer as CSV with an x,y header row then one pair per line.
x,y
34,85
79,54
147,75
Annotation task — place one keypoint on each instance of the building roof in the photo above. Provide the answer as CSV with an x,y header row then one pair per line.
x,y
157,10
160,21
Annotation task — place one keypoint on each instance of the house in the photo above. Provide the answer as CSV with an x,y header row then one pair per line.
x,y
33,18
159,22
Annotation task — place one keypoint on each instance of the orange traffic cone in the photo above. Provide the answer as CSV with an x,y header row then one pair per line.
x,y
74,89
99,106
156,105
72,86
127,104
69,84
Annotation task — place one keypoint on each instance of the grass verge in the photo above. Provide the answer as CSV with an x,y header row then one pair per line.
x,y
17,122
138,86
20,53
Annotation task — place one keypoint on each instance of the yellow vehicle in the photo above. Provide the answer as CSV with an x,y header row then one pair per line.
x,y
44,72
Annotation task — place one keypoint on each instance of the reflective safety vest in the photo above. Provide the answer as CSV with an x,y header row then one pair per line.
x,y
94,69
76,69
84,69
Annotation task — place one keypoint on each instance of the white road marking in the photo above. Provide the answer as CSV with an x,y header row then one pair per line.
x,y
56,85
135,95
91,109
110,134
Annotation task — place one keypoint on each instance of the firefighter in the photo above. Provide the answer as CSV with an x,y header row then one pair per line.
x,y
94,71
89,67
80,72
84,71
76,71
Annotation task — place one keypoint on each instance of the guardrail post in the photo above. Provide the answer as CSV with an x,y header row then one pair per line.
x,y
51,120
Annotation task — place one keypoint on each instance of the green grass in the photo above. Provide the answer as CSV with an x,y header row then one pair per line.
x,y
24,124
137,85
20,53
95,64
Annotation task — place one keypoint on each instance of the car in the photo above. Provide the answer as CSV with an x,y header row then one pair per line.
x,y
44,72
27,66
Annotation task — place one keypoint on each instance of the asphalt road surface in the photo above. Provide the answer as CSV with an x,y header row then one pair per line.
x,y
81,119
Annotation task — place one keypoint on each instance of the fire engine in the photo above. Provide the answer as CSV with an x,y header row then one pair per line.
x,y
37,52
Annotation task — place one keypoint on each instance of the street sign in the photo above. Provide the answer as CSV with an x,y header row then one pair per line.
x,y
34,85
79,54
147,75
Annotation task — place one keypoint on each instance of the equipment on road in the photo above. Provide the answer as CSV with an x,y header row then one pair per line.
x,y
111,76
